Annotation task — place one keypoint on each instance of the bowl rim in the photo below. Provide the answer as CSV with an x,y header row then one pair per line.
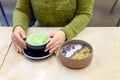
x,y
38,45
75,41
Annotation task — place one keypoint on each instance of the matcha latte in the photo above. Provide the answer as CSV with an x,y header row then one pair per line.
x,y
37,39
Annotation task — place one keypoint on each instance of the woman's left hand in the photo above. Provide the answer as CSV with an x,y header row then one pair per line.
x,y
56,40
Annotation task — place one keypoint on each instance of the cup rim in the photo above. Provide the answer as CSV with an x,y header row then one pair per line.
x,y
38,45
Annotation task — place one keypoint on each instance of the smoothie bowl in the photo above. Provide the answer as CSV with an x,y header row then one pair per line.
x,y
36,44
76,54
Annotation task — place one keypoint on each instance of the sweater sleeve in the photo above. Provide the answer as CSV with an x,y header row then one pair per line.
x,y
22,14
81,18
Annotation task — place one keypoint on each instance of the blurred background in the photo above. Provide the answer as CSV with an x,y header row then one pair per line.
x,y
101,15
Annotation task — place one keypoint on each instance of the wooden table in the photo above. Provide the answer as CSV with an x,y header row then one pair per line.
x,y
105,64
5,40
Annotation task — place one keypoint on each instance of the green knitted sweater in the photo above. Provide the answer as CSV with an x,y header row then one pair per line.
x,y
72,15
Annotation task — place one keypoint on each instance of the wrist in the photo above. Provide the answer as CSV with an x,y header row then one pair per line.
x,y
17,27
63,33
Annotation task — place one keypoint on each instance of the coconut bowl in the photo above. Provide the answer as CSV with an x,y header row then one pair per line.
x,y
75,54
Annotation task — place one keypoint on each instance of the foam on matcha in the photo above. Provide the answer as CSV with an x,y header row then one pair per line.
x,y
37,39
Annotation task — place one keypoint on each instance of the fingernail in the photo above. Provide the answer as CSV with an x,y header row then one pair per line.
x,y
45,50
25,47
50,52
47,46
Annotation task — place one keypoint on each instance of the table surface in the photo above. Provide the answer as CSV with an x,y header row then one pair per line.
x,y
5,40
104,66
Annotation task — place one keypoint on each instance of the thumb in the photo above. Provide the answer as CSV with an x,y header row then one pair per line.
x,y
23,35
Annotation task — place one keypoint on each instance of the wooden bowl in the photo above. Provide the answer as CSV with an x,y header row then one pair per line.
x,y
66,58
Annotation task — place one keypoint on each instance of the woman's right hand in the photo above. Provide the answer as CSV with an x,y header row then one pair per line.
x,y
17,38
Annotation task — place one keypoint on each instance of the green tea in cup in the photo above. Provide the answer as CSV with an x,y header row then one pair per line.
x,y
36,40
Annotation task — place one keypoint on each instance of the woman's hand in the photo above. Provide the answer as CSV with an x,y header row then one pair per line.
x,y
17,38
56,40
